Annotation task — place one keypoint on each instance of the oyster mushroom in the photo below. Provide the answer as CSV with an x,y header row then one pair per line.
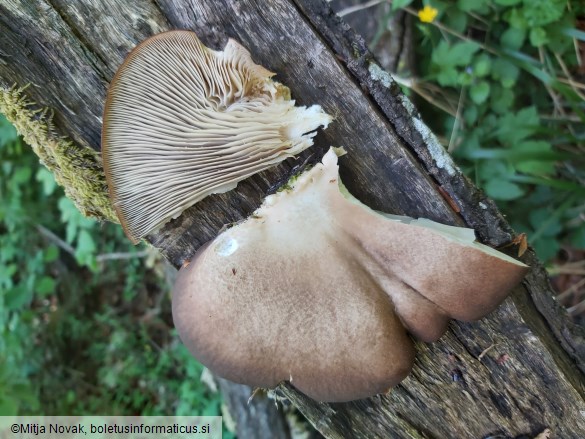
x,y
318,289
182,122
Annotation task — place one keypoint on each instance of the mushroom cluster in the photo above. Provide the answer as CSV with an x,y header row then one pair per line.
x,y
314,288
318,289
182,122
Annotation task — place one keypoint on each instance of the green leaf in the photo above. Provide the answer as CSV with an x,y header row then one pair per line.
x,y
501,99
8,133
541,12
458,54
542,195
479,92
470,114
6,273
448,76
8,405
440,54
85,243
544,222
9,250
574,33
505,71
516,155
456,20
516,19
493,170
535,149
512,128
470,143
461,53
22,175
535,167
559,43
489,123
471,5
399,4
577,237
18,297
513,38
51,253
507,2
464,78
538,37
500,189
45,177
533,67
482,65
45,286
576,188
535,157
546,247
85,251
73,219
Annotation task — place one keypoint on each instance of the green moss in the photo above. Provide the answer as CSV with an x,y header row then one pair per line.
x,y
77,169
290,184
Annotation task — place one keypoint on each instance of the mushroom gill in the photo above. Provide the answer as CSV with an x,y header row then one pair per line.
x,y
318,289
182,122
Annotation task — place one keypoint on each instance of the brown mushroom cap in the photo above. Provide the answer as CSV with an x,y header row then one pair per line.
x,y
318,289
182,122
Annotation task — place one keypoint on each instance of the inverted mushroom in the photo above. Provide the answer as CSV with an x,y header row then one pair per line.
x,y
320,290
182,122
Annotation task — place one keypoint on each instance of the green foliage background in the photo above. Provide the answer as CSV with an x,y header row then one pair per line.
x,y
510,71
81,333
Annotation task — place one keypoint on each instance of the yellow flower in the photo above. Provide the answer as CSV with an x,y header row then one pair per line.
x,y
427,14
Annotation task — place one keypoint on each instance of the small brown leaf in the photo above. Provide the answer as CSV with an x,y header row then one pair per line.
x,y
521,242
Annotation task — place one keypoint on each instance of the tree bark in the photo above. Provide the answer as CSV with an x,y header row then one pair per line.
x,y
516,372
256,418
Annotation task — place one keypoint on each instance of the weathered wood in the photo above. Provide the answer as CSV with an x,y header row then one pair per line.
x,y
531,378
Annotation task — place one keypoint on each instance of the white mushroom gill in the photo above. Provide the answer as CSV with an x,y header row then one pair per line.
x,y
183,122
318,286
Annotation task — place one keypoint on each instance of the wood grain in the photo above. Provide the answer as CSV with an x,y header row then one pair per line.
x,y
532,374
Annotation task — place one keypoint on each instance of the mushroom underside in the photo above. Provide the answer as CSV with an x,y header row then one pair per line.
x,y
183,121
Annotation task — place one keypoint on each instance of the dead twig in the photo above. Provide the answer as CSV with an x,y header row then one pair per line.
x,y
67,248
486,350
573,288
357,8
